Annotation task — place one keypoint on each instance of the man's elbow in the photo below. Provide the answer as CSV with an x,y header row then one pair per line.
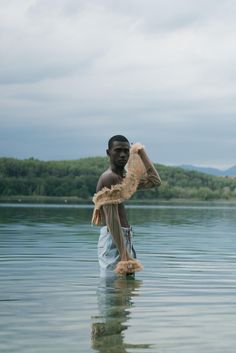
x,y
156,181
153,183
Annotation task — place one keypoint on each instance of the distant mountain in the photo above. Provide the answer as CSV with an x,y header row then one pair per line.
x,y
212,171
231,171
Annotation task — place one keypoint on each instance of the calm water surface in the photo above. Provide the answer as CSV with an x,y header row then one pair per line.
x,y
52,299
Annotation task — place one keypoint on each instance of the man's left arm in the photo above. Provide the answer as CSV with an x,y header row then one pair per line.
x,y
151,178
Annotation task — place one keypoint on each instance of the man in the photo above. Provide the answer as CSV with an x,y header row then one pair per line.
x,y
115,185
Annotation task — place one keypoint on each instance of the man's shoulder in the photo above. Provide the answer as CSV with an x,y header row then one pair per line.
x,y
107,179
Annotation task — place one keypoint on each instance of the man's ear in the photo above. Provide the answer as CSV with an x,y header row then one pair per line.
x,y
108,153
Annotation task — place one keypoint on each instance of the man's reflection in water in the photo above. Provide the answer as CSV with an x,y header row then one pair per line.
x,y
114,300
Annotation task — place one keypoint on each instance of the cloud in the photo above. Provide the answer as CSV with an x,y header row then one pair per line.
x,y
91,68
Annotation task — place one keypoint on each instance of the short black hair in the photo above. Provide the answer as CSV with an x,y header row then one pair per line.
x,y
120,138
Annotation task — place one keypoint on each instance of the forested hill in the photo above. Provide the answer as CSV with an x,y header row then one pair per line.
x,y
78,178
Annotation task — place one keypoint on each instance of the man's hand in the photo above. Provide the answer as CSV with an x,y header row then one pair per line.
x,y
136,148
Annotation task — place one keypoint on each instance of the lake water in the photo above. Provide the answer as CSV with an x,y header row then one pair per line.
x,y
53,300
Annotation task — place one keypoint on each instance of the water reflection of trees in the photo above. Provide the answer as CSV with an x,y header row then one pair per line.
x,y
50,214
115,299
81,214
176,215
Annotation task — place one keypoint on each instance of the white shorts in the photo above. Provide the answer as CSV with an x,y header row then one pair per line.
x,y
108,255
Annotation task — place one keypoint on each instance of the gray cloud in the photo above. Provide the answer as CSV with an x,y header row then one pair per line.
x,y
73,73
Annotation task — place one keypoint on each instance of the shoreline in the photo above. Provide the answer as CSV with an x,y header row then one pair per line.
x,y
78,201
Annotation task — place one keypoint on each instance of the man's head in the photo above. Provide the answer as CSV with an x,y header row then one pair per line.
x,y
119,138
118,150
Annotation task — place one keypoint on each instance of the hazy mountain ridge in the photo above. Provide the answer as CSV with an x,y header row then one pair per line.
x,y
212,171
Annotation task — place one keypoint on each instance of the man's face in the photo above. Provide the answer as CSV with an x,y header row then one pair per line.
x,y
119,153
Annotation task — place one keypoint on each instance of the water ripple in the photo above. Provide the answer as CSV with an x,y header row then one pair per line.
x,y
52,299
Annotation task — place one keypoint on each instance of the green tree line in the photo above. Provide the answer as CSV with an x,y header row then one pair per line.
x,y
78,178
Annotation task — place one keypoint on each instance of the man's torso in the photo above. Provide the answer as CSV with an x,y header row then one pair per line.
x,y
107,179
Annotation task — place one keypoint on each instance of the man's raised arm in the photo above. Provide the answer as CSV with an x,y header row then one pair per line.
x,y
150,177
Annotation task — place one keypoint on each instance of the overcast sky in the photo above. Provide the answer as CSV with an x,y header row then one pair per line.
x,y
73,73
